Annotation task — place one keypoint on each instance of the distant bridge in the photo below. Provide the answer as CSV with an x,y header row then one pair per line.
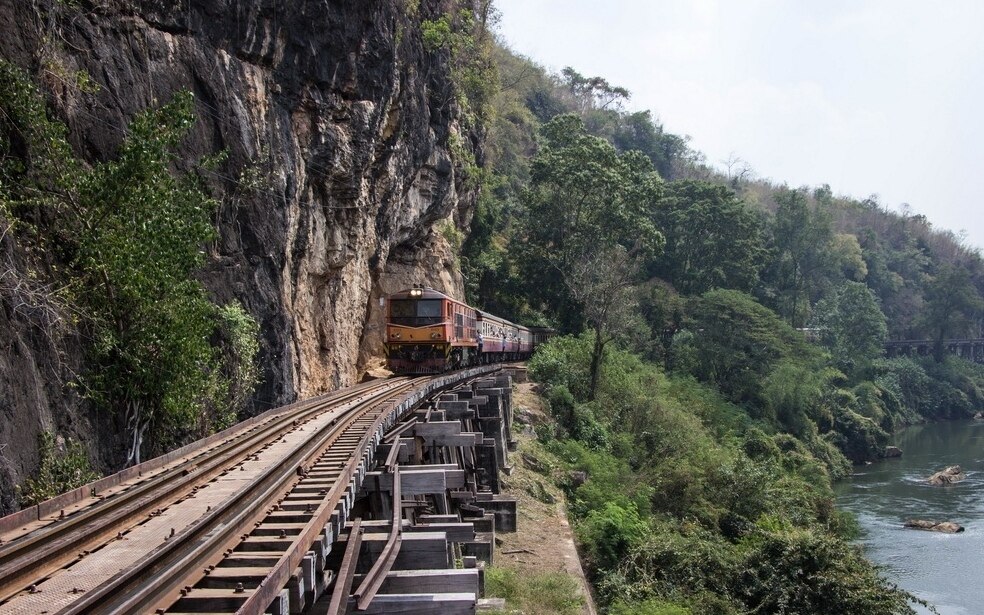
x,y
971,349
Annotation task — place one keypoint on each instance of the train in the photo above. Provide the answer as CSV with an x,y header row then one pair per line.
x,y
428,332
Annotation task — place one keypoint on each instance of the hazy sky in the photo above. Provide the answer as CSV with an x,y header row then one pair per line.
x,y
872,97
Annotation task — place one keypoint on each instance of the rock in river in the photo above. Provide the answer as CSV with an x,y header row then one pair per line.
x,y
947,476
947,527
892,451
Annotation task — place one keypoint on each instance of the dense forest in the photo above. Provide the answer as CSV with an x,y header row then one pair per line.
x,y
721,357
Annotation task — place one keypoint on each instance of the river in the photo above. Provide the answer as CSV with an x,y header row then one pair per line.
x,y
945,570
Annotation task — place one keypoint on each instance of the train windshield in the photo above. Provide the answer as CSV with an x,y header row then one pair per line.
x,y
415,312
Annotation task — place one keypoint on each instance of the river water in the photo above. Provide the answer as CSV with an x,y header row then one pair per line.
x,y
945,570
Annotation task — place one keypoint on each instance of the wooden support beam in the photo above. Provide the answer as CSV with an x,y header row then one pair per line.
x,y
438,518
418,482
422,604
228,578
456,531
212,600
437,428
418,550
431,582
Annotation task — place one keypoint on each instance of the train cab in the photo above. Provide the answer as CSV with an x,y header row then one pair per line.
x,y
428,332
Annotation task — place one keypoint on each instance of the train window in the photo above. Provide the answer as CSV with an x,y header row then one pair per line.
x,y
415,313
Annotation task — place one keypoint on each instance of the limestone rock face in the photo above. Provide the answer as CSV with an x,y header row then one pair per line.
x,y
338,125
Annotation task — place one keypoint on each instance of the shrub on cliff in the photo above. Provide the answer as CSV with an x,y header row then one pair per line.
x,y
122,239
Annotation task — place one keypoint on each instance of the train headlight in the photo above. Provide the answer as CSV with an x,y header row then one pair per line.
x,y
435,336
416,292
395,335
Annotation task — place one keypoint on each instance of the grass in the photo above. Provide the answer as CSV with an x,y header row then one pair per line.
x,y
546,593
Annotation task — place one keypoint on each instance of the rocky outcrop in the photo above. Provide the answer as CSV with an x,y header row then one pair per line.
x,y
947,476
946,527
338,125
892,452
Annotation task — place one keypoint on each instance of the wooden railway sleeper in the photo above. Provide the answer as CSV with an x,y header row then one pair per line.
x,y
186,562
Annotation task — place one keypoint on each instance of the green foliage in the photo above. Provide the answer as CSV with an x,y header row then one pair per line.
x,y
794,395
608,534
463,38
713,240
804,571
914,389
239,348
562,363
852,326
739,341
648,607
952,302
802,235
58,471
126,236
546,593
688,494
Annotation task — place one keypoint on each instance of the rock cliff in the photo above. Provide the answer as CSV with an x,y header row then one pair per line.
x,y
338,125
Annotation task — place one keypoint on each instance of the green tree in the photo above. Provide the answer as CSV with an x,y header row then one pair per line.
x,y
738,342
852,326
603,283
802,236
712,239
583,200
952,302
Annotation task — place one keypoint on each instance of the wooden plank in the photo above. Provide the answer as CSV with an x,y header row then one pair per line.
x,y
420,604
249,560
431,582
418,482
418,550
437,428
439,518
462,439
456,531
228,578
206,600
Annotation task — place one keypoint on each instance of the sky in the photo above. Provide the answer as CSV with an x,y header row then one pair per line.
x,y
874,97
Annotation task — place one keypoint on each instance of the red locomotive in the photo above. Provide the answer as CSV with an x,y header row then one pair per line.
x,y
428,332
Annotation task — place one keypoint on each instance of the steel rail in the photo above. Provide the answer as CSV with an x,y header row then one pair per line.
x,y
374,579
381,567
37,554
277,578
154,582
346,571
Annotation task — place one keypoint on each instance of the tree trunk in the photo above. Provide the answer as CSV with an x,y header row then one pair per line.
x,y
596,354
938,347
136,427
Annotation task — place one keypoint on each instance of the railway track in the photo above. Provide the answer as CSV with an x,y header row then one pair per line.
x,y
223,529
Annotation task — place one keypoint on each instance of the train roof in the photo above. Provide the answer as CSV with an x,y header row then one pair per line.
x,y
430,293
425,293
496,319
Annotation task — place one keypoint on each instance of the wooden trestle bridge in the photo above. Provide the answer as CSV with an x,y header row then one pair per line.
x,y
380,498
971,349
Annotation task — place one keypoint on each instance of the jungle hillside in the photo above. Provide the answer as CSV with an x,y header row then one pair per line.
x,y
721,357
